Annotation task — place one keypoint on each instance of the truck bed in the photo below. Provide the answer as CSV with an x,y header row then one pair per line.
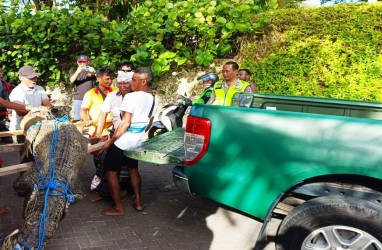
x,y
165,149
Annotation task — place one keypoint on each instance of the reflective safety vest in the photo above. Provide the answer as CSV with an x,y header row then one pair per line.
x,y
225,98
204,97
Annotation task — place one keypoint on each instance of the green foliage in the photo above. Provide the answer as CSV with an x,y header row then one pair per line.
x,y
51,40
179,32
161,34
329,52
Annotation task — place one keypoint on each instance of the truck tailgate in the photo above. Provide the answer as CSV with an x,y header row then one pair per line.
x,y
163,149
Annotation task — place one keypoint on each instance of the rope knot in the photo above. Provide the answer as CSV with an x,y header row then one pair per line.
x,y
51,185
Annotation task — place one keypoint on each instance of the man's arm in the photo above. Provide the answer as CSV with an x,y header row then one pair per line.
x,y
212,98
84,113
85,106
12,105
46,103
73,77
122,128
101,123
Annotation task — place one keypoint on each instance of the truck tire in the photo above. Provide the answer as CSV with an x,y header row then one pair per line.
x,y
332,222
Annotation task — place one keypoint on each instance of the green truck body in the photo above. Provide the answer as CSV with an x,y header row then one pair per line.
x,y
271,148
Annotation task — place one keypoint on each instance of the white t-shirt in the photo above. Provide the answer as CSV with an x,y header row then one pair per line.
x,y
27,96
112,104
139,105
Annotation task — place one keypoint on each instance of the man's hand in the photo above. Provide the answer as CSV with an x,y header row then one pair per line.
x,y
107,144
80,68
88,123
91,69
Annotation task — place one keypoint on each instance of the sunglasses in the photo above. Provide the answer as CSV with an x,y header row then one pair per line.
x,y
127,70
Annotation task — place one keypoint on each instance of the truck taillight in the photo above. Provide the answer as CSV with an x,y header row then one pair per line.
x,y
196,139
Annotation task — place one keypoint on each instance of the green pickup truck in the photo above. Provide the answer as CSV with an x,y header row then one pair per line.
x,y
315,163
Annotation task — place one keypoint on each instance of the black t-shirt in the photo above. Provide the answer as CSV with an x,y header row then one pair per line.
x,y
83,84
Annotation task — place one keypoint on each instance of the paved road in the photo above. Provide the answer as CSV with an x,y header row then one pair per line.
x,y
171,219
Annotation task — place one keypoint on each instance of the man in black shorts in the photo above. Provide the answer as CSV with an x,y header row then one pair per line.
x,y
137,110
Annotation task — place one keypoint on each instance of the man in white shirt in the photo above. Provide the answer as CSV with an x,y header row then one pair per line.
x,y
111,104
27,93
137,110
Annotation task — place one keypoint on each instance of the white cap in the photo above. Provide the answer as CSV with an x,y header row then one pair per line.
x,y
124,76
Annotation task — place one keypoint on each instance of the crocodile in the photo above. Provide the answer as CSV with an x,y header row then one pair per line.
x,y
49,142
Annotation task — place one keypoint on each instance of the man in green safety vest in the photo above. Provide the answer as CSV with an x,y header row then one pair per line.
x,y
224,90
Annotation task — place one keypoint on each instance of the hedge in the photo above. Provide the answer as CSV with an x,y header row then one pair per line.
x,y
327,52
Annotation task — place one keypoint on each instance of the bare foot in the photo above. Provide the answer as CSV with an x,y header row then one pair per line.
x,y
96,198
112,212
138,206
127,198
4,210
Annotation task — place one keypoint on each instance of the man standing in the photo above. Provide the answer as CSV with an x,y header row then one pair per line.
x,y
224,90
112,105
27,93
93,99
245,75
83,79
137,109
5,90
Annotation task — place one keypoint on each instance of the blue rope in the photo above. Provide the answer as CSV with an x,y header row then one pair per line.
x,y
53,187
37,125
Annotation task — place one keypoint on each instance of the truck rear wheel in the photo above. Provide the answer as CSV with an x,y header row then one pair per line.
x,y
333,222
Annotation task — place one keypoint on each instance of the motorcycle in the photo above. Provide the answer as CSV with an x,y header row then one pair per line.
x,y
170,118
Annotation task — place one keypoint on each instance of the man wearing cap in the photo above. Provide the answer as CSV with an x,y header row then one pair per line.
x,y
27,93
83,79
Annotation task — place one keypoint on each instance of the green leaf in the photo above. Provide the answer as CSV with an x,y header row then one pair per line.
x,y
243,8
169,6
181,60
241,27
198,14
230,25
199,59
221,20
157,68
167,55
148,3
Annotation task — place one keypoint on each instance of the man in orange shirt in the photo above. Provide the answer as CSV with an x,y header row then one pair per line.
x,y
93,99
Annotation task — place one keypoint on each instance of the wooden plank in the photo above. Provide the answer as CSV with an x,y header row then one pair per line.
x,y
79,125
10,133
95,147
10,147
25,166
15,168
